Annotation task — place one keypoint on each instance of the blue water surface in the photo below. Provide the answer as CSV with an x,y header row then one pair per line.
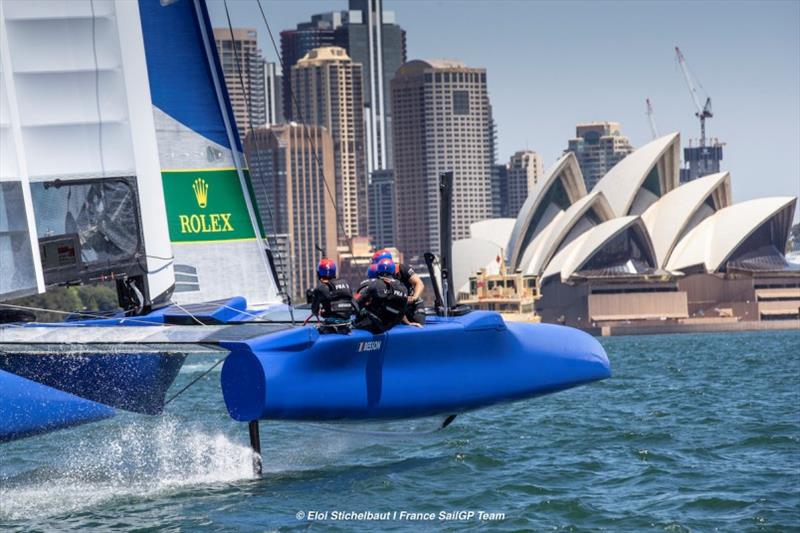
x,y
693,433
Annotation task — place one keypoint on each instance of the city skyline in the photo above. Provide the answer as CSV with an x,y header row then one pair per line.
x,y
327,86
743,70
285,160
442,123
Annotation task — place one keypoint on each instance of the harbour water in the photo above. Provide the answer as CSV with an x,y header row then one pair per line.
x,y
693,433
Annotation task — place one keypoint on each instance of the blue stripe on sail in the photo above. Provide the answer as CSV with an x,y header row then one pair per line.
x,y
220,74
181,82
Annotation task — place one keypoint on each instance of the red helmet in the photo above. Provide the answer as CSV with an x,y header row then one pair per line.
x,y
326,268
385,267
382,254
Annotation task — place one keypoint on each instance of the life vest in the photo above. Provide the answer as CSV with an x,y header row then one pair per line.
x,y
396,300
335,298
384,298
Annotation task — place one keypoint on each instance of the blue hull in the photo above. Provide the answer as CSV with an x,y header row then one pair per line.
x,y
451,366
28,408
134,382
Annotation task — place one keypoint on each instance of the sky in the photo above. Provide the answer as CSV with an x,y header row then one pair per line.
x,y
551,65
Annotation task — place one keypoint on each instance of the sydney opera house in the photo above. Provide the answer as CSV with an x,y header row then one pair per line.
x,y
642,248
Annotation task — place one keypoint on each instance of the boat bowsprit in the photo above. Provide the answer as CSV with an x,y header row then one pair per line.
x,y
451,365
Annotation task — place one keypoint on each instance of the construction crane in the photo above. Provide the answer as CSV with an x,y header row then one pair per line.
x,y
703,111
652,118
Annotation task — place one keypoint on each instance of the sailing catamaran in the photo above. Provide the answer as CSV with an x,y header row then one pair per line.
x,y
121,162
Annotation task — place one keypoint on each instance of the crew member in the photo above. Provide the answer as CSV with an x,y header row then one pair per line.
x,y
383,300
415,310
332,300
372,273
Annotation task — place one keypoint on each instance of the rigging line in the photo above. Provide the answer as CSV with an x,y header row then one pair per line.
x,y
201,376
179,306
258,151
293,97
148,271
97,91
80,313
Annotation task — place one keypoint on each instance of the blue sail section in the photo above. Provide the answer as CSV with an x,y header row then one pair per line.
x,y
181,79
28,408
205,20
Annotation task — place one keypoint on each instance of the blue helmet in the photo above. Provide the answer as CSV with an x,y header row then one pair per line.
x,y
326,268
385,267
381,254
372,271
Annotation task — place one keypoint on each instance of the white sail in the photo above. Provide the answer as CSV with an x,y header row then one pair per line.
x,y
19,250
116,114
76,84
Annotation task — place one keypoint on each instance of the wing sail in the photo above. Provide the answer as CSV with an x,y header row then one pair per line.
x,y
216,235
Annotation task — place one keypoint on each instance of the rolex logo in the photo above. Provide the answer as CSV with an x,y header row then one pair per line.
x,y
204,222
200,192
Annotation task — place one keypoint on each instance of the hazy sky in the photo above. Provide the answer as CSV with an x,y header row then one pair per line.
x,y
553,64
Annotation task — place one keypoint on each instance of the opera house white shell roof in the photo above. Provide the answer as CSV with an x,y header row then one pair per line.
x,y
682,209
561,186
716,238
575,255
496,230
637,206
589,211
643,176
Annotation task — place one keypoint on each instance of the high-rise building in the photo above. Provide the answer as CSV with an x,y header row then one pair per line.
x,y
525,168
273,95
328,92
382,209
701,160
500,191
295,44
442,122
292,176
244,75
598,146
498,179
354,259
372,38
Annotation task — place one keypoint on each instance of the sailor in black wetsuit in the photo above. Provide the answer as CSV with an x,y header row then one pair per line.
x,y
415,310
372,273
382,301
332,300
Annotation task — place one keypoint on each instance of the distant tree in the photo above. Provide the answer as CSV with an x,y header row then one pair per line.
x,y
98,297
64,300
